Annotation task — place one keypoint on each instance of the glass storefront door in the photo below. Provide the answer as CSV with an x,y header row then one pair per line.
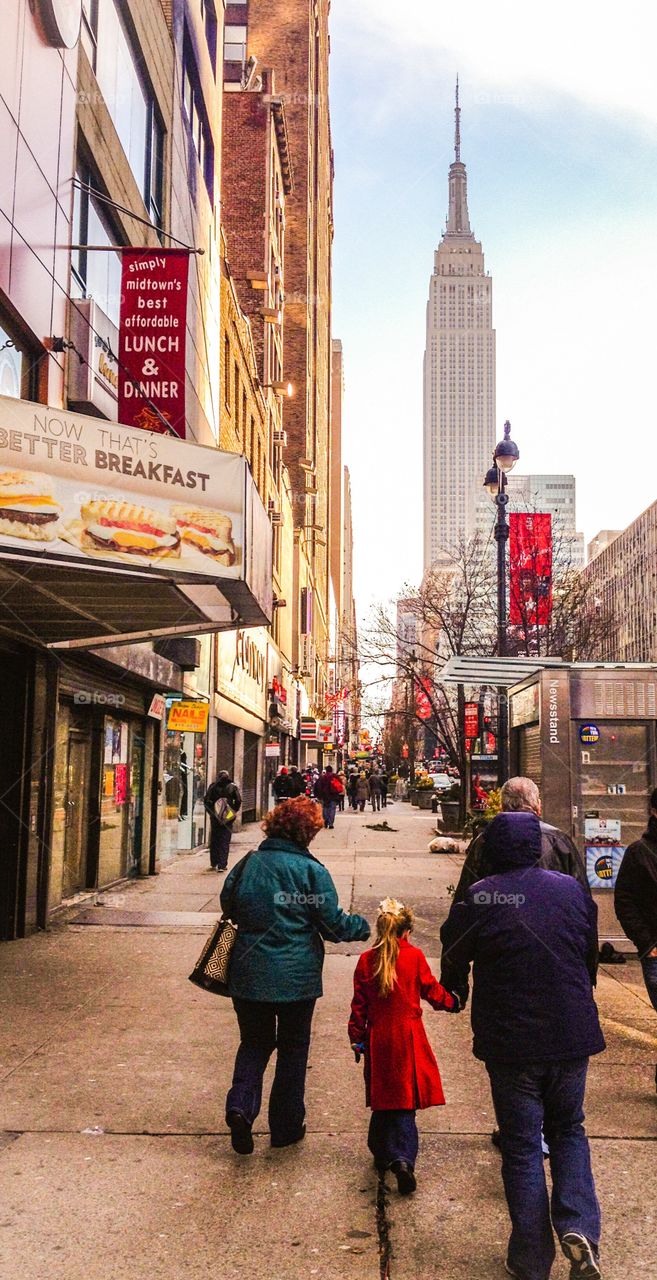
x,y
185,784
76,807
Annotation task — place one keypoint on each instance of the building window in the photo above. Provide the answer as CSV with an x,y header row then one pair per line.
x,y
128,99
94,275
209,17
236,400
19,366
197,118
227,371
89,30
235,44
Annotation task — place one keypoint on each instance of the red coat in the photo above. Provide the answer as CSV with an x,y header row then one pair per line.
x,y
401,1072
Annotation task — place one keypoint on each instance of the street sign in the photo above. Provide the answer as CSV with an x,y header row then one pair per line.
x,y
188,717
471,723
307,728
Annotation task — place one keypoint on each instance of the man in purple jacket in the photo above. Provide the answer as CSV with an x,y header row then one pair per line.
x,y
531,935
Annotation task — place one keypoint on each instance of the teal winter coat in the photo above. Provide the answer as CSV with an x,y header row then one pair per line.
x,y
286,904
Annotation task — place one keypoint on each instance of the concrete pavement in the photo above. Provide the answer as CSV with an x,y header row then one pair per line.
x,y
114,1155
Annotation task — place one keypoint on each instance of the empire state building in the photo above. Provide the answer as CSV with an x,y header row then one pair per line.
x,y
459,376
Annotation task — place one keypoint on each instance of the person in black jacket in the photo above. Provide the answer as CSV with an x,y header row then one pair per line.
x,y
532,936
281,786
636,900
297,783
223,788
558,853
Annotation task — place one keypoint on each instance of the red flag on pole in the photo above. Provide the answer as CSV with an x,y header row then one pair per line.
x,y
530,555
152,339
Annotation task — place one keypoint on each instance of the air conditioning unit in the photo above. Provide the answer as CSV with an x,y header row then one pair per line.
x,y
280,437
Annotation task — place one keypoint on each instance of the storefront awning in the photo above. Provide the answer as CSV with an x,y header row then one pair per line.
x,y
495,671
66,607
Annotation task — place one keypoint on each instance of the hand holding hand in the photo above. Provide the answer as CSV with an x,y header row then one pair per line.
x,y
652,955
457,1006
359,1050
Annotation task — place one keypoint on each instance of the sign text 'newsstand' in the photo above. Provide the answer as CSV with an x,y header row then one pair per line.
x,y
55,436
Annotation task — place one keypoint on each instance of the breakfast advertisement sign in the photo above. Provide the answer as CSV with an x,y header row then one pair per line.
x,y
79,488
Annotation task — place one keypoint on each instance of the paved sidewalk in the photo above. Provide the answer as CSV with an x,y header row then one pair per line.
x,y
114,1156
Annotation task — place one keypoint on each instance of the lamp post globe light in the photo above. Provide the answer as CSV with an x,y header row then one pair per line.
x,y
504,460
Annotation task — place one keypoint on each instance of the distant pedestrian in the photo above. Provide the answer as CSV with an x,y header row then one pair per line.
x,y
286,904
352,787
636,900
375,790
328,790
401,1072
383,781
281,786
342,779
362,791
297,783
223,802
532,936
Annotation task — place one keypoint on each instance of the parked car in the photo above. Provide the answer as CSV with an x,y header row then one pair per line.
x,y
441,781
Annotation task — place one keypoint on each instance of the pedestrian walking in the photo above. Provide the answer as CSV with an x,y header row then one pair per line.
x,y
297,783
285,905
383,782
401,1072
375,790
636,900
558,853
342,779
328,790
281,786
362,791
352,786
222,801
532,936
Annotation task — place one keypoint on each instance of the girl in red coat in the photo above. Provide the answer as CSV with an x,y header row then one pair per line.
x,y
401,1072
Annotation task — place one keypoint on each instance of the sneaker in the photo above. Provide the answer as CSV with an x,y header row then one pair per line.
x,y
582,1255
240,1133
406,1181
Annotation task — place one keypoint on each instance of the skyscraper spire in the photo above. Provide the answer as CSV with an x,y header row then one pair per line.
x,y
458,219
457,134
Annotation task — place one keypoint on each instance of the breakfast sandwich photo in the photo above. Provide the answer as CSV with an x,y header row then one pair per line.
x,y
208,531
27,507
125,529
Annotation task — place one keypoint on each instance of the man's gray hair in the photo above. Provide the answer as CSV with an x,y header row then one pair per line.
x,y
521,795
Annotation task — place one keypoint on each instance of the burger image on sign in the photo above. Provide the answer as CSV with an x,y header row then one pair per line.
x,y
589,734
61,21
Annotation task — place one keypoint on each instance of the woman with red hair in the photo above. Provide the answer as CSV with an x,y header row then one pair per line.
x,y
285,905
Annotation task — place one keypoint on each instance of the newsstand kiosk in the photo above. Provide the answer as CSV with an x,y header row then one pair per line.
x,y
586,734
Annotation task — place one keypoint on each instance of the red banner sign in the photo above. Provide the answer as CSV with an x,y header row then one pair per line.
x,y
423,703
152,339
472,719
530,554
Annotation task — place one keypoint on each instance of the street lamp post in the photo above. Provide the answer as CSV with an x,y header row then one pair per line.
x,y
504,460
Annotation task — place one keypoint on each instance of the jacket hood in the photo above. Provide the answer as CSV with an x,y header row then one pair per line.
x,y
513,840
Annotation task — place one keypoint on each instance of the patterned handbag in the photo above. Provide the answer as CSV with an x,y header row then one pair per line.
x,y
212,967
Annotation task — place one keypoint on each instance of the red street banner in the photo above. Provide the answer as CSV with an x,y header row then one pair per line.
x,y
152,339
423,704
471,720
530,555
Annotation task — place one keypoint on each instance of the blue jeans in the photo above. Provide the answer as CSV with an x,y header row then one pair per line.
x,y
328,811
263,1028
528,1096
649,966
393,1136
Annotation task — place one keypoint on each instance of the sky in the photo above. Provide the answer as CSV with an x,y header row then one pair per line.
x,y
559,136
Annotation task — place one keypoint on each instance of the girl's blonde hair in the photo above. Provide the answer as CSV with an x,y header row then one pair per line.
x,y
393,920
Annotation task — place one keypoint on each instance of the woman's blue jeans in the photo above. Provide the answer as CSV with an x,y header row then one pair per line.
x,y
264,1027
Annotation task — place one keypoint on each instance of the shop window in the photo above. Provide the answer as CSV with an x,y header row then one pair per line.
x,y
94,275
19,365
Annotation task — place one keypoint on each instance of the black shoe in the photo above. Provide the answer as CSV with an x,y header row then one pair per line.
x,y
240,1133
582,1256
406,1181
222,870
289,1142
511,1271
